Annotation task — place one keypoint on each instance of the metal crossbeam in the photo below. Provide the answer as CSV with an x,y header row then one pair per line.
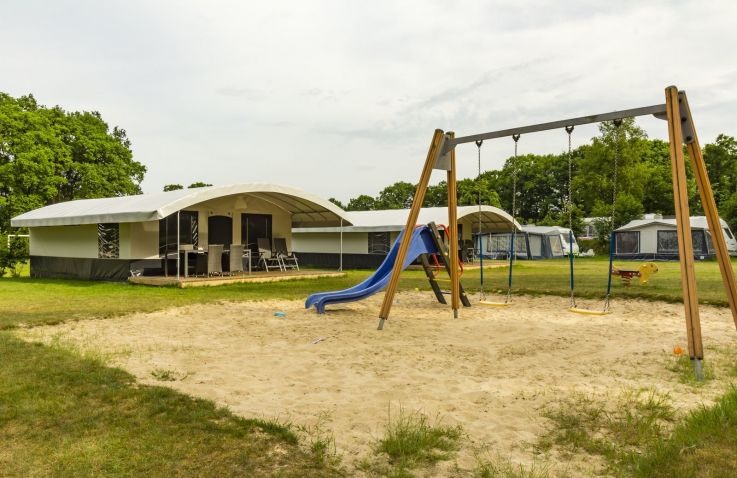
x,y
656,110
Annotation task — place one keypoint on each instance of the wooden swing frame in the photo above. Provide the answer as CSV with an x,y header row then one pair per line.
x,y
441,155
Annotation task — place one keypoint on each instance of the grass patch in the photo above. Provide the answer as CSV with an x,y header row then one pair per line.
x,y
412,440
637,420
683,367
164,375
704,444
504,468
66,415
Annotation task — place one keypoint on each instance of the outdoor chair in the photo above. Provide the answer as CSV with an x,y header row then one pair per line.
x,y
236,258
215,259
266,256
288,259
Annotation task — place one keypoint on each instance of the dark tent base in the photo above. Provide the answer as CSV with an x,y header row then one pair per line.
x,y
46,267
329,260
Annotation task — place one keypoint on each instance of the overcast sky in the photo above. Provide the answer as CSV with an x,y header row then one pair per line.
x,y
341,98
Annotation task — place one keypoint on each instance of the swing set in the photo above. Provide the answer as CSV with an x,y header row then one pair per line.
x,y
442,155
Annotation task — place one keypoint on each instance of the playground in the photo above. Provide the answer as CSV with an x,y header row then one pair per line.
x,y
493,372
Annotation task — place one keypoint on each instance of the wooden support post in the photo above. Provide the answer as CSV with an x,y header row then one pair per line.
x,y
683,226
455,291
414,212
710,210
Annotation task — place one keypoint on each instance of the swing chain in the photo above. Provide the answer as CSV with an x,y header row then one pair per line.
x,y
617,153
482,294
512,239
569,130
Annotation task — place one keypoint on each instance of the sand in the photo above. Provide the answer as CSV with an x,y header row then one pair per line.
x,y
492,370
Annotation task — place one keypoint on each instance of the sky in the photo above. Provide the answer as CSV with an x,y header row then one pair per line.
x,y
341,98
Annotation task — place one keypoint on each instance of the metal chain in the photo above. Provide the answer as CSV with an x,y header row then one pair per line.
x,y
482,294
569,130
617,152
513,246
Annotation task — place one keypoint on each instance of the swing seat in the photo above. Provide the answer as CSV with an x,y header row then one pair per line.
x,y
576,310
489,303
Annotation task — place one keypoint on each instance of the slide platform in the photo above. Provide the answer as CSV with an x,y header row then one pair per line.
x,y
422,243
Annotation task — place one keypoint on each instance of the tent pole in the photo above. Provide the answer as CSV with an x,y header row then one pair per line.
x,y
178,246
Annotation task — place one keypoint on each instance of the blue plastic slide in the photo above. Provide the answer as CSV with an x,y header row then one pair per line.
x,y
421,243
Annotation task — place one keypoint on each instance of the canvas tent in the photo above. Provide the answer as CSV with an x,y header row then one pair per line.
x,y
105,238
656,238
532,242
366,242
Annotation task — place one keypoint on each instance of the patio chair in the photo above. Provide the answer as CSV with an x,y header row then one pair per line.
x,y
288,259
236,258
215,259
266,256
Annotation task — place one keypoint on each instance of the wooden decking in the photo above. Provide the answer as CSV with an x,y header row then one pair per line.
x,y
161,281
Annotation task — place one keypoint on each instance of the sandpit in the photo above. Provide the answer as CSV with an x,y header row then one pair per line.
x,y
492,370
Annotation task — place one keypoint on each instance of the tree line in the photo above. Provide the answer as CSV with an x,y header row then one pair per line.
x,y
643,182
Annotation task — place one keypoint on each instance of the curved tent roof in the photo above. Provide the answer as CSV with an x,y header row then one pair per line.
x,y
305,208
493,219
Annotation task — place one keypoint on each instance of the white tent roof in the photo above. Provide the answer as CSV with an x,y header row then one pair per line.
x,y
545,230
697,222
493,219
306,209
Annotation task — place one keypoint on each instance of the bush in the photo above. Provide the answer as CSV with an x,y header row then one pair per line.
x,y
13,255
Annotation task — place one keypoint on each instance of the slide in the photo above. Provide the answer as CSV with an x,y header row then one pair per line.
x,y
422,243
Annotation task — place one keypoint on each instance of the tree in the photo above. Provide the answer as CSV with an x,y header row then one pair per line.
x,y
172,187
337,203
361,203
397,196
721,164
48,155
198,184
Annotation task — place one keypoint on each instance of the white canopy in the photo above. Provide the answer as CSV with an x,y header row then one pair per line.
x,y
493,219
306,209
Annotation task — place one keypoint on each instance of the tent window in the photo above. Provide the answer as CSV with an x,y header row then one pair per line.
x,y
627,242
378,242
108,241
699,242
667,242
556,245
188,230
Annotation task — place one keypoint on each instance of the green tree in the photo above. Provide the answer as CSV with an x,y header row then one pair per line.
x,y
721,164
361,203
199,184
48,155
396,196
337,203
172,187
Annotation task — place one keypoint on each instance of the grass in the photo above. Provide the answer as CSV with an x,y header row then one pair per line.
x,y
639,419
683,367
411,440
62,414
704,445
55,301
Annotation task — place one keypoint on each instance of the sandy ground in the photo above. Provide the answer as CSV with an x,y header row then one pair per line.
x,y
491,371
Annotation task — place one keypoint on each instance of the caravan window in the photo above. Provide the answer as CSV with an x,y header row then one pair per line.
x,y
728,233
627,242
667,242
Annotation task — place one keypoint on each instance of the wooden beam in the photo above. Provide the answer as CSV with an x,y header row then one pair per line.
x,y
435,145
710,210
455,290
683,225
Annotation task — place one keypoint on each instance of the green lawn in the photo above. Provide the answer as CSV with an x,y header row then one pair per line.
x,y
62,414
36,301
